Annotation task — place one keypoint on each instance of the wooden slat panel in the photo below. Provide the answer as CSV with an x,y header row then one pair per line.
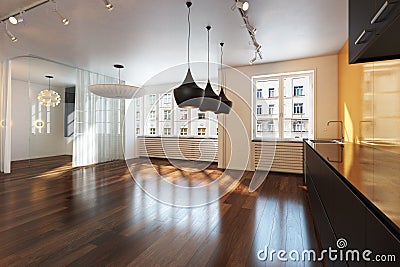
x,y
179,148
286,157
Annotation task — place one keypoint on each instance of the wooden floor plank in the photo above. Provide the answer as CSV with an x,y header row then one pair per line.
x,y
56,215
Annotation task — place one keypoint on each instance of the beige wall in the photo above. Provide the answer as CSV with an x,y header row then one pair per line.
x,y
351,84
238,124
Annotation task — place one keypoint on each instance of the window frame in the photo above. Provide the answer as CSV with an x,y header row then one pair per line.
x,y
308,109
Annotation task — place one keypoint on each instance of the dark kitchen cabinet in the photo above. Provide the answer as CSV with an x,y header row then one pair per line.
x,y
373,30
359,31
340,211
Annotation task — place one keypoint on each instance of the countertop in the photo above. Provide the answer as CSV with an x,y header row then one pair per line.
x,y
374,172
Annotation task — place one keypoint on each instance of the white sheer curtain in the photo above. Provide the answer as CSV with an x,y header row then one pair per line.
x,y
5,117
98,125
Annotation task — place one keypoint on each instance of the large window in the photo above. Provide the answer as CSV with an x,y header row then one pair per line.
x,y
158,114
288,112
104,115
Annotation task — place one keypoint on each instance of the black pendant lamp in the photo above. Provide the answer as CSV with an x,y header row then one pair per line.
x,y
226,104
188,94
211,100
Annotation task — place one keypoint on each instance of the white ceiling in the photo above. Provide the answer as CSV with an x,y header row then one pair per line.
x,y
149,37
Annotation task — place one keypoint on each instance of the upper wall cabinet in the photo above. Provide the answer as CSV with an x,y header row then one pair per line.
x,y
374,27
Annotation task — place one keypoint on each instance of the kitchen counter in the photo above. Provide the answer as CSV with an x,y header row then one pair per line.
x,y
373,172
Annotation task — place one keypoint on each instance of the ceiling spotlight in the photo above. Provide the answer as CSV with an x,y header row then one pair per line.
x,y
109,6
251,29
63,19
253,59
242,5
10,35
16,18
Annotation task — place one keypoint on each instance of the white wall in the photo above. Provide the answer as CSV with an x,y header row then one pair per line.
x,y
25,144
238,82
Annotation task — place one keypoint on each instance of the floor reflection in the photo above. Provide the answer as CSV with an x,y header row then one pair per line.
x,y
98,215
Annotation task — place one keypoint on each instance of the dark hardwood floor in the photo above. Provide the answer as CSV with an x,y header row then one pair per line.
x,y
53,215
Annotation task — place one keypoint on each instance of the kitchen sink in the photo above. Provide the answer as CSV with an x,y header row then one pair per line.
x,y
326,141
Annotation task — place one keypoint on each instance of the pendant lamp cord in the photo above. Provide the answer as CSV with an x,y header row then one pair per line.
x,y
188,50
222,72
49,84
119,76
208,49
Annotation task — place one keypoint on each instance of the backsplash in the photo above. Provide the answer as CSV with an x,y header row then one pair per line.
x,y
369,102
381,103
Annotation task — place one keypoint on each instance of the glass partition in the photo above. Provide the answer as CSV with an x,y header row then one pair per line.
x,y
40,130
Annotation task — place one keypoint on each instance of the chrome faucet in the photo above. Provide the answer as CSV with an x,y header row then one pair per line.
x,y
341,129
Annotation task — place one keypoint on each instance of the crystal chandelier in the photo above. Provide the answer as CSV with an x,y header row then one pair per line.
x,y
49,98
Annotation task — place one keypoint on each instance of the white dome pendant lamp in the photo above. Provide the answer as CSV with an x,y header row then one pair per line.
x,y
188,94
211,100
118,91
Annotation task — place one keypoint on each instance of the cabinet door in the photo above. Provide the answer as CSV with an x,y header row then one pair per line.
x,y
347,215
381,241
325,231
383,13
360,28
